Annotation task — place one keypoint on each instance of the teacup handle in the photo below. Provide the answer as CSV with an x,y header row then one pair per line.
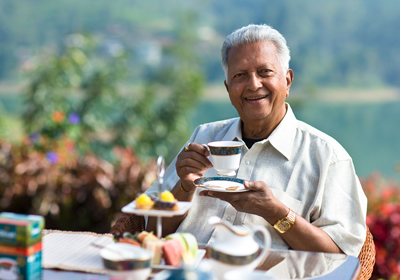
x,y
208,148
267,244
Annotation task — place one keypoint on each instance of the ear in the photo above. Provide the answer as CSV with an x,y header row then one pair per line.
x,y
289,80
226,86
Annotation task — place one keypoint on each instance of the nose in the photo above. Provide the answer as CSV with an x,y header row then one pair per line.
x,y
254,82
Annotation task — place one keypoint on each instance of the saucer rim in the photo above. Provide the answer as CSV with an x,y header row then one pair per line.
x,y
200,183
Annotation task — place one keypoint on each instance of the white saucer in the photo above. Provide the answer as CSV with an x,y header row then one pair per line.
x,y
220,184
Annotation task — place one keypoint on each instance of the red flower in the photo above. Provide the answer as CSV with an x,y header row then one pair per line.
x,y
388,209
387,193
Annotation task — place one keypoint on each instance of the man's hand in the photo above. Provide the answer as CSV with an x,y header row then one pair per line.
x,y
259,200
192,163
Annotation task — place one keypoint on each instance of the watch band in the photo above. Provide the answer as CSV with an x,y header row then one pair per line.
x,y
286,223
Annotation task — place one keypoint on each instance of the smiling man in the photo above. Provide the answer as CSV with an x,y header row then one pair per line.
x,y
257,86
302,184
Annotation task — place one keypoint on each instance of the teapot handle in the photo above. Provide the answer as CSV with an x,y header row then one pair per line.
x,y
267,244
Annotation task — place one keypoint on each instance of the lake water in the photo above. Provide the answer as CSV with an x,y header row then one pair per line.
x,y
369,132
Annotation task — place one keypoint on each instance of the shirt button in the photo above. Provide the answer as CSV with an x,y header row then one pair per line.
x,y
228,218
247,162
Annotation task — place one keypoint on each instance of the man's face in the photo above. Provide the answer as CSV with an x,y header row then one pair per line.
x,y
256,83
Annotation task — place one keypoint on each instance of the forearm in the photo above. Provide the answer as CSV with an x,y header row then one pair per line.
x,y
170,225
303,236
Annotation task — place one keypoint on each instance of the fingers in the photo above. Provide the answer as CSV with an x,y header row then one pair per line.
x,y
259,199
201,149
204,193
254,185
192,159
229,197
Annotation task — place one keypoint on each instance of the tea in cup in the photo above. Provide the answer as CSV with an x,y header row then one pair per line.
x,y
225,156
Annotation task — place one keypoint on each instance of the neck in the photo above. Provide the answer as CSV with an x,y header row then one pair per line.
x,y
261,129
257,132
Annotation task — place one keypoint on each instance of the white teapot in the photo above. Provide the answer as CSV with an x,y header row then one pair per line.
x,y
235,248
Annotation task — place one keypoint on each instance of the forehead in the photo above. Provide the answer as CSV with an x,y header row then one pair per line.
x,y
254,54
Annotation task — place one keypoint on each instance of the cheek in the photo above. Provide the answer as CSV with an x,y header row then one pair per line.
x,y
235,92
281,92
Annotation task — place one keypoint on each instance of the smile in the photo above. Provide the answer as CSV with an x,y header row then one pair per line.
x,y
256,98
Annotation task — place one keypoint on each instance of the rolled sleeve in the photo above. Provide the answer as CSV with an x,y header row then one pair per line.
x,y
343,208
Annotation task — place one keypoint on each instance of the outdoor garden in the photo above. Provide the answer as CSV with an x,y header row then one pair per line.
x,y
94,112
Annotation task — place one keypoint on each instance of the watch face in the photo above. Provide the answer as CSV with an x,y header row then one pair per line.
x,y
285,225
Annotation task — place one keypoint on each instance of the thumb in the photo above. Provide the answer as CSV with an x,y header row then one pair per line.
x,y
253,185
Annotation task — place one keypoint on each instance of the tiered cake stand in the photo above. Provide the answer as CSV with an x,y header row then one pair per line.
x,y
183,205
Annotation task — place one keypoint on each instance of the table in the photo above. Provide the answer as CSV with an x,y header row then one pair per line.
x,y
284,264
290,264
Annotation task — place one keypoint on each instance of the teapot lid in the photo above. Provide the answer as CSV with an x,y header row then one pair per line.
x,y
238,230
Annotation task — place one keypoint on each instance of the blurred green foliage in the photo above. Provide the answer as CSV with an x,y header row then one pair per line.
x,y
10,128
91,135
72,82
76,93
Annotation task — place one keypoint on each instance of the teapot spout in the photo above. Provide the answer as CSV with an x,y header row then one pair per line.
x,y
216,221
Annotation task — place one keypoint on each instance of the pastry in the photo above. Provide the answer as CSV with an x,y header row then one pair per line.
x,y
144,202
166,202
175,249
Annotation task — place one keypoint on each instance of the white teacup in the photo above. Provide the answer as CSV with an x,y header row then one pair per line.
x,y
126,261
225,156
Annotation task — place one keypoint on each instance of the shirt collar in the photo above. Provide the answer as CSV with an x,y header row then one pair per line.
x,y
283,135
281,138
235,131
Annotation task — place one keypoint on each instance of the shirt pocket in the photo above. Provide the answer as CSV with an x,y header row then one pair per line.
x,y
251,220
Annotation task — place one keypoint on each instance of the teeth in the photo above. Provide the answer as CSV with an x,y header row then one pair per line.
x,y
255,98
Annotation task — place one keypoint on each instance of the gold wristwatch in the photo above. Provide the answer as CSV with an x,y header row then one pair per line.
x,y
286,223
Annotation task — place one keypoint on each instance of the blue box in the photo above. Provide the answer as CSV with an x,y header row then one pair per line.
x,y
21,246
21,267
20,230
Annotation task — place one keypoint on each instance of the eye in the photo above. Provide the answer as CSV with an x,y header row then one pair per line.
x,y
264,71
238,75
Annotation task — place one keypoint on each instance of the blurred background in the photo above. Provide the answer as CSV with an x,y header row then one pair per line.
x,y
92,91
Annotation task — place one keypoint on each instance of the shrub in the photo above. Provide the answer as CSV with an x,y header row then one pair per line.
x,y
383,220
81,193
78,84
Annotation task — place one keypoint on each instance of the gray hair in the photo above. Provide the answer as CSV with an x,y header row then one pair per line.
x,y
254,34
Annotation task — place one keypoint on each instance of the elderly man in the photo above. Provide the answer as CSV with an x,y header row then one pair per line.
x,y
302,184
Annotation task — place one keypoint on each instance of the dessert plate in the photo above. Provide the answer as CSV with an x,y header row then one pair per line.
x,y
131,208
221,184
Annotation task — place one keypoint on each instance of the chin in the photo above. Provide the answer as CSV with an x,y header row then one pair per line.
x,y
258,117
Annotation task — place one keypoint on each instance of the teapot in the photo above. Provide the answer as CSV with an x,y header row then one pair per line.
x,y
235,248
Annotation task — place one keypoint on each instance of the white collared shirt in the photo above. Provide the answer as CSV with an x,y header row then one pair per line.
x,y
307,170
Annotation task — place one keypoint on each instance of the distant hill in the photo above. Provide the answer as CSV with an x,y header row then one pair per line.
x,y
333,43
